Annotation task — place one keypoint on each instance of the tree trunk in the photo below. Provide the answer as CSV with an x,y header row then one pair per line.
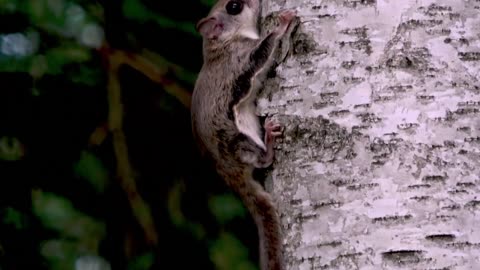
x,y
379,164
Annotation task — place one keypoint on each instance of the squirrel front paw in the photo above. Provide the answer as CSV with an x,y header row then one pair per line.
x,y
286,17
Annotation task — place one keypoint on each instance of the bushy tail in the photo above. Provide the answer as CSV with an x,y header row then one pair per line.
x,y
260,205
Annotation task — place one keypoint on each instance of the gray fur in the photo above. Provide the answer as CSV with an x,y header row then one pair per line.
x,y
224,124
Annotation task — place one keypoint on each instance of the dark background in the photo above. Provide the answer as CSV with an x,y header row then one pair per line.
x,y
66,201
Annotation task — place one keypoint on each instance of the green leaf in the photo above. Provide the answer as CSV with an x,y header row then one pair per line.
x,y
63,254
47,12
226,207
142,262
11,64
8,6
177,217
58,213
39,66
58,57
228,253
133,9
15,218
52,62
90,168
208,2
60,253
85,75
11,149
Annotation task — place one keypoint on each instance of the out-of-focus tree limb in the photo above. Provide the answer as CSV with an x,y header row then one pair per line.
x,y
155,73
140,208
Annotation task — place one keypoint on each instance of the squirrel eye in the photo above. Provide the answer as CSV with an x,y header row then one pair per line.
x,y
234,7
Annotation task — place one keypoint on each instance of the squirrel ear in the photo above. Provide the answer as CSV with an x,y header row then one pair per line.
x,y
209,27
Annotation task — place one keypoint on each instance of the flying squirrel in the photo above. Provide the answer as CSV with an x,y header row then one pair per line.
x,y
235,65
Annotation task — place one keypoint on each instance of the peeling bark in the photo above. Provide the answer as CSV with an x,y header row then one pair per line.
x,y
379,164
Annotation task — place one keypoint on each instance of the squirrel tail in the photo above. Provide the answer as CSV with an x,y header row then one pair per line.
x,y
260,205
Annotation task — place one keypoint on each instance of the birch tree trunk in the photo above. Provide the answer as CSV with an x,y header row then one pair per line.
x,y
379,164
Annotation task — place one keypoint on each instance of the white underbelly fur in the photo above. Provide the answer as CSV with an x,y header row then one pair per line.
x,y
248,124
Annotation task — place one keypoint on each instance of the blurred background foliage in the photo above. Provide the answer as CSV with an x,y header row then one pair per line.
x,y
98,169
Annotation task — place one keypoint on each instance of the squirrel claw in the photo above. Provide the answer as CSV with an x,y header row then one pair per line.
x,y
286,17
272,130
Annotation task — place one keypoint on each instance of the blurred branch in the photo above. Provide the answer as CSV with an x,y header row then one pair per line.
x,y
155,73
140,208
98,135
179,72
135,10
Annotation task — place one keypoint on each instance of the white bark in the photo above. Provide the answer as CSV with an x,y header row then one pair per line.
x,y
379,165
